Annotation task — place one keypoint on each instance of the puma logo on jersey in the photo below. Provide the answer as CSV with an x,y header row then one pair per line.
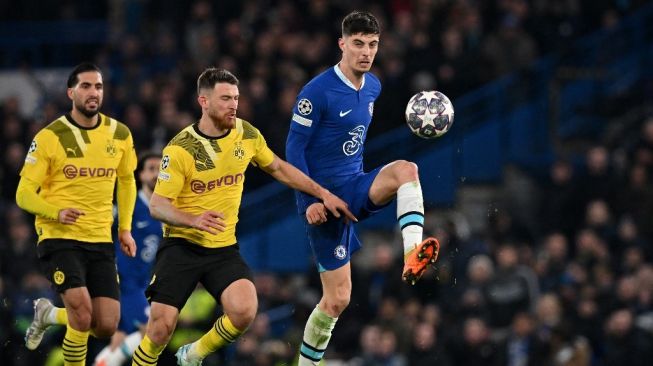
x,y
72,150
201,165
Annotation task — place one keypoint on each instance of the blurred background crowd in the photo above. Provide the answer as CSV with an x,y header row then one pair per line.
x,y
571,284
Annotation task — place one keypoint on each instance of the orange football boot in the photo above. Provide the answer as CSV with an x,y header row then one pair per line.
x,y
416,260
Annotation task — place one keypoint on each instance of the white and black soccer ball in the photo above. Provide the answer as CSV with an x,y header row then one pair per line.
x,y
429,114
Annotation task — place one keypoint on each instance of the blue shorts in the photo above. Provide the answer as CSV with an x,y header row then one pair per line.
x,y
134,310
334,241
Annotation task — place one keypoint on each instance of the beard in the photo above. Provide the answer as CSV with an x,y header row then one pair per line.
x,y
87,112
220,121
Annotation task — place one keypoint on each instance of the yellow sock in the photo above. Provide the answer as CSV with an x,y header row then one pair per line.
x,y
60,316
147,353
222,333
74,347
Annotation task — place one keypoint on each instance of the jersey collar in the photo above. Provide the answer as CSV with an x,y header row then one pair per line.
x,y
344,79
196,129
70,119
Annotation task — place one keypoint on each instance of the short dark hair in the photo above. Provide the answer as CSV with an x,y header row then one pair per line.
x,y
360,22
73,78
145,156
211,76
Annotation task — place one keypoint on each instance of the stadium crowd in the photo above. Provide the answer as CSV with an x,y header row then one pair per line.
x,y
576,288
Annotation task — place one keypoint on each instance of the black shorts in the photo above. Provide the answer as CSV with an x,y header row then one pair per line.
x,y
180,265
70,264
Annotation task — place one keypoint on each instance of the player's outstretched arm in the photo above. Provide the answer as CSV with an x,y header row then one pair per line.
x,y
295,178
162,209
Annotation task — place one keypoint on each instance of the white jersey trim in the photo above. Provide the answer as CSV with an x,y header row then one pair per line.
x,y
344,78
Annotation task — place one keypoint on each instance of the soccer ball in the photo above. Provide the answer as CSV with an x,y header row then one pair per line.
x,y
429,114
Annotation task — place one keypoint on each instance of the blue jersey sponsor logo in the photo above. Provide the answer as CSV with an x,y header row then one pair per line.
x,y
351,147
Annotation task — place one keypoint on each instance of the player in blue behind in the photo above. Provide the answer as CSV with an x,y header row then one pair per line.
x,y
135,272
327,132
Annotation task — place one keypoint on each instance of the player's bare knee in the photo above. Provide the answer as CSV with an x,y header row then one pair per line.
x,y
338,303
402,171
243,320
80,319
160,330
406,171
243,316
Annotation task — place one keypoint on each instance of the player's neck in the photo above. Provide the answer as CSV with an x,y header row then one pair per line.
x,y
209,128
83,120
356,78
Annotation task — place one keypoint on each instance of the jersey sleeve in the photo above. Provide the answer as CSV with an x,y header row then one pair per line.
x,y
172,172
263,155
38,158
307,114
128,162
307,111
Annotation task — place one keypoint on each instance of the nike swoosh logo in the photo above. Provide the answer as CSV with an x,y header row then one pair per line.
x,y
342,114
141,224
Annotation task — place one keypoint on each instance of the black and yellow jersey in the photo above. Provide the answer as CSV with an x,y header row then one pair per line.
x,y
201,173
77,167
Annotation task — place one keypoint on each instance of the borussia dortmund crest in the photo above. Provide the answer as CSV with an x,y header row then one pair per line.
x,y
111,148
58,277
239,152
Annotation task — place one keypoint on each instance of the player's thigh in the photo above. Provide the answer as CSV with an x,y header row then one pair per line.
x,y
359,191
102,275
225,266
389,179
66,269
176,272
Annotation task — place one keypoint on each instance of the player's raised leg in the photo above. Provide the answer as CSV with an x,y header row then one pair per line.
x,y
400,179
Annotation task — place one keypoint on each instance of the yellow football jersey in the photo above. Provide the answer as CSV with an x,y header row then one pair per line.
x,y
201,173
77,167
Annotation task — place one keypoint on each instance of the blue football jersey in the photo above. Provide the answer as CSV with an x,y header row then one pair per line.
x,y
328,128
147,232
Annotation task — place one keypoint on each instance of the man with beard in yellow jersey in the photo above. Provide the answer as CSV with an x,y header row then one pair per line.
x,y
67,181
197,196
